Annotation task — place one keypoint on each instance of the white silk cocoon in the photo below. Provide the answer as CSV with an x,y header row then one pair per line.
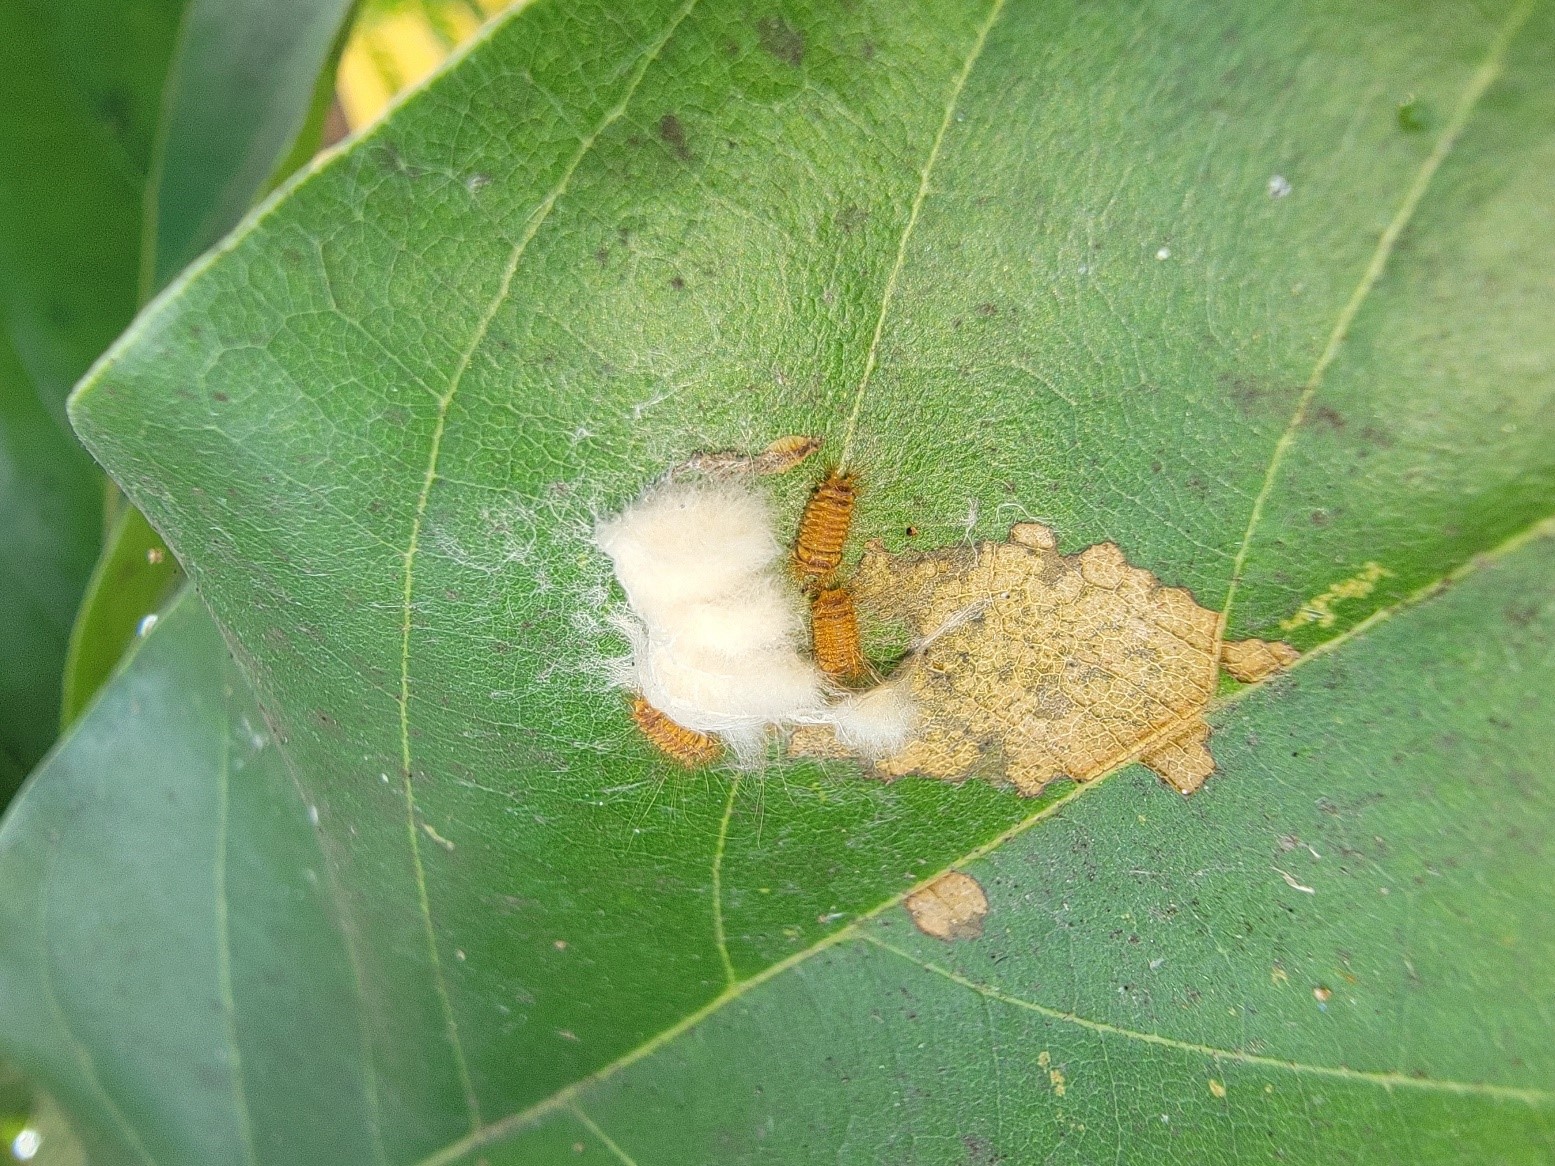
x,y
716,627
716,630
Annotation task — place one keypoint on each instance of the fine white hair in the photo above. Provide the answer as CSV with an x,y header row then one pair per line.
x,y
877,723
715,627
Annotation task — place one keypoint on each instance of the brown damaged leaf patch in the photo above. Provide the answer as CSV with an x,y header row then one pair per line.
x,y
953,906
1036,665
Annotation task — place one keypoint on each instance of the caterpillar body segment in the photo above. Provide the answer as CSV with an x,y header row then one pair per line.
x,y
687,746
823,528
834,635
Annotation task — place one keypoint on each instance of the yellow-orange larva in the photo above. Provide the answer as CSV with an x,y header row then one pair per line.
x,y
834,633
823,528
687,746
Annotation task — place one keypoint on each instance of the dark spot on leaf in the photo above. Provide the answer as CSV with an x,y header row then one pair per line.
x,y
114,108
1329,416
1320,518
986,310
980,1151
393,161
850,218
1521,614
220,396
673,135
1254,397
1381,438
677,283
782,40
1413,116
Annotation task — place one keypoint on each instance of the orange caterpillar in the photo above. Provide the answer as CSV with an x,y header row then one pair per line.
x,y
834,631
823,528
687,746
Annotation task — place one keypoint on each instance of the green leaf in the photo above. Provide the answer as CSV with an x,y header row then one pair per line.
x,y
80,84
50,498
243,106
135,576
1010,259
84,83
165,902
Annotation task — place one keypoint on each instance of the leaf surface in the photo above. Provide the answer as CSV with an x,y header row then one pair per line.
x,y
1327,952
242,107
1011,260
80,83
164,848
123,113
50,504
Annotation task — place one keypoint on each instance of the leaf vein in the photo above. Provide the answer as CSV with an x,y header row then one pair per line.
x,y
482,328
1388,1081
922,195
1486,75
719,939
609,1143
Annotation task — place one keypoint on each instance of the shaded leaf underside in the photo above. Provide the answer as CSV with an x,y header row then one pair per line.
x,y
79,82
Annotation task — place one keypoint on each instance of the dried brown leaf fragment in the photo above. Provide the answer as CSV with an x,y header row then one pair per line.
x,y
1252,660
1032,665
953,906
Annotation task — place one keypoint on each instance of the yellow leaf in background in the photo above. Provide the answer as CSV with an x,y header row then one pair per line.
x,y
396,45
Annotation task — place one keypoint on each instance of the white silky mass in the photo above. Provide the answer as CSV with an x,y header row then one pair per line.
x,y
716,628
716,634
